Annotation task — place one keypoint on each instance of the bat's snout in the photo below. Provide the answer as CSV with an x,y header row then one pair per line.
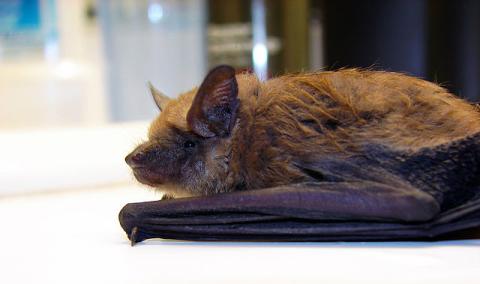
x,y
145,167
136,159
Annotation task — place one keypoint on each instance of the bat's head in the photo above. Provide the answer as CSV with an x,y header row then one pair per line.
x,y
188,147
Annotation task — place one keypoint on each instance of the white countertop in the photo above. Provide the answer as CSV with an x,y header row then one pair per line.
x,y
74,237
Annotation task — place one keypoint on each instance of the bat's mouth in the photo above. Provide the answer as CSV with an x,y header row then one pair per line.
x,y
148,176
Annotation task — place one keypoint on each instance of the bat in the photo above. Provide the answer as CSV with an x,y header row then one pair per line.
x,y
339,155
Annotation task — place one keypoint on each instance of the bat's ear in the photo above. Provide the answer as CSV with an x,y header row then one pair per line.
x,y
214,108
160,99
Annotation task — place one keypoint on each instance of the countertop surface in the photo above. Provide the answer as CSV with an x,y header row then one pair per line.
x,y
74,237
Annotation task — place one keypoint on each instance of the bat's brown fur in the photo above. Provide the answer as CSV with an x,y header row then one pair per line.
x,y
286,120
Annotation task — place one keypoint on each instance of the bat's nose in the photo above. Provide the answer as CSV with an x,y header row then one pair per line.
x,y
136,159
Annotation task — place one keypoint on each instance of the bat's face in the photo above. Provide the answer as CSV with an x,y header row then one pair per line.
x,y
187,152
168,157
179,161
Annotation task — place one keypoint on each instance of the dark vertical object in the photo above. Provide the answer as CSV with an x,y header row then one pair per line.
x,y
232,11
274,29
295,35
454,46
381,34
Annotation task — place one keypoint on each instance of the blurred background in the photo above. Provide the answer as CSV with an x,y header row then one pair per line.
x,y
86,62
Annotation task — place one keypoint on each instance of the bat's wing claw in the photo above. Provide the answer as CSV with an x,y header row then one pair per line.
x,y
133,236
129,222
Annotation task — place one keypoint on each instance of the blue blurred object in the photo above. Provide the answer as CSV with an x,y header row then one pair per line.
x,y
19,15
27,26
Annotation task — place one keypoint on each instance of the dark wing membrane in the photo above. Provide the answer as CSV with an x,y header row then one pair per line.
x,y
447,172
310,202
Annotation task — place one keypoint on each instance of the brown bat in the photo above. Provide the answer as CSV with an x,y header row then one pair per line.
x,y
344,135
237,133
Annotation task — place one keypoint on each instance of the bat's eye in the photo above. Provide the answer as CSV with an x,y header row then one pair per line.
x,y
189,144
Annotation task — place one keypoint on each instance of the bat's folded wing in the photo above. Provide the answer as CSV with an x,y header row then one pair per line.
x,y
305,212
